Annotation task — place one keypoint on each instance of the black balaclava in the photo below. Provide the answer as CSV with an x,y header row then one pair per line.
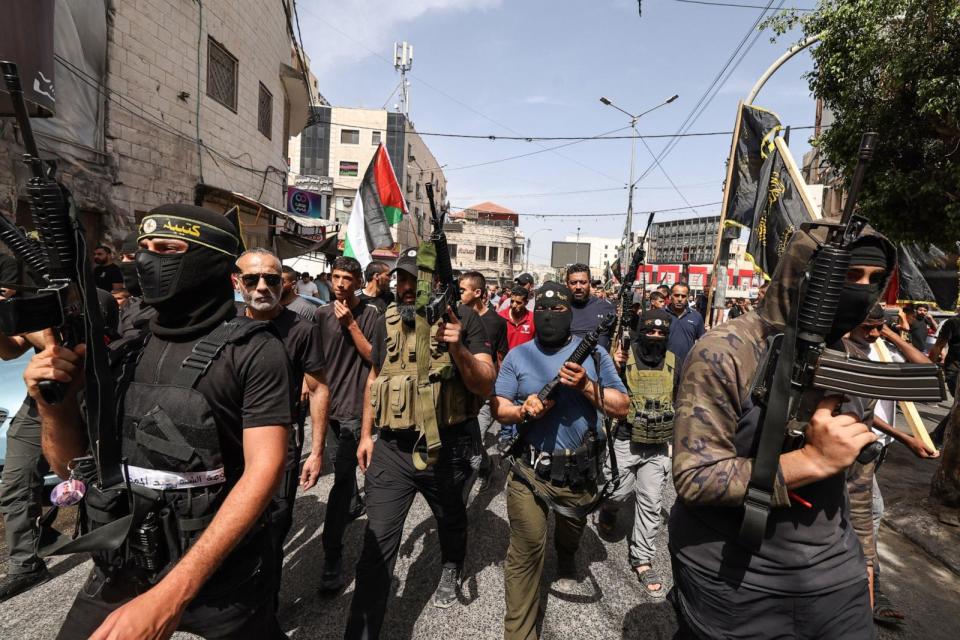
x,y
552,327
652,350
131,282
857,299
191,291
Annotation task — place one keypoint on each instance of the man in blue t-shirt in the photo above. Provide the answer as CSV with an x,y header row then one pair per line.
x,y
588,310
558,455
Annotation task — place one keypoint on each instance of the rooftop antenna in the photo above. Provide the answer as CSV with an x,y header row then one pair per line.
x,y
403,62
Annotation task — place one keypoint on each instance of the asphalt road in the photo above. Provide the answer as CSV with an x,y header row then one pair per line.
x,y
610,603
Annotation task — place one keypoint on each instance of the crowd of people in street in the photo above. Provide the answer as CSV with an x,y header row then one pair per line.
x,y
222,357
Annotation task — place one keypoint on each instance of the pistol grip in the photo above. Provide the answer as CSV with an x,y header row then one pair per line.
x,y
52,391
869,453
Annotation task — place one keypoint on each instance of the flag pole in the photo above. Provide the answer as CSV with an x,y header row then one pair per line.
x,y
722,250
718,249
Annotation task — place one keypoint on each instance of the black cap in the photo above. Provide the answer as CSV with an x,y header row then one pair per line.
x,y
407,263
868,251
551,294
524,278
655,319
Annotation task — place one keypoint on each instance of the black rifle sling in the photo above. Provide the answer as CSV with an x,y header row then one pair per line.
x,y
773,423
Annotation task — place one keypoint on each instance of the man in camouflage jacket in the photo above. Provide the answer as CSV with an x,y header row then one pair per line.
x,y
808,577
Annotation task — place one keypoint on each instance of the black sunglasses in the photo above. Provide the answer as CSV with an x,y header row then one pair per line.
x,y
253,279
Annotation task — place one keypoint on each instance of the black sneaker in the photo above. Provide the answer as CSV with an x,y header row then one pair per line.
x,y
331,580
16,583
446,593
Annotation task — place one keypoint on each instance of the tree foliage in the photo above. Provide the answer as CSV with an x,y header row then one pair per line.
x,y
893,66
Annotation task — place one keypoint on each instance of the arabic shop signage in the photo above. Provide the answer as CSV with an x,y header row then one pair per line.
x,y
304,203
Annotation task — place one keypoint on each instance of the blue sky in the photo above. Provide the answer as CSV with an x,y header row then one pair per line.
x,y
538,68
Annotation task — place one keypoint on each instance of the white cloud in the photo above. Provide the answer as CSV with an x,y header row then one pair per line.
x,y
335,31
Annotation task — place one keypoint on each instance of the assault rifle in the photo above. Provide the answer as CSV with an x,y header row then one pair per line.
x,y
67,301
579,356
448,295
625,319
799,370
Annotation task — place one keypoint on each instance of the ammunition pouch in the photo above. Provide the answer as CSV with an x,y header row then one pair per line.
x,y
651,413
402,400
577,469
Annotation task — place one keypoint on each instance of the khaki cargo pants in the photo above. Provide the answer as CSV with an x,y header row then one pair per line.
x,y
528,540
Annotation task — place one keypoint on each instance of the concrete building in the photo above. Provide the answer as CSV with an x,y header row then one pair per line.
x,y
486,238
685,241
171,101
340,143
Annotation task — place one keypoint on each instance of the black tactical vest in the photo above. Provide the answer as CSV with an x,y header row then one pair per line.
x,y
175,474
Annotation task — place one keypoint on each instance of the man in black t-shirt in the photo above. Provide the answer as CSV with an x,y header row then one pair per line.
x,y
377,289
106,275
395,466
473,294
918,327
204,439
588,310
258,279
348,327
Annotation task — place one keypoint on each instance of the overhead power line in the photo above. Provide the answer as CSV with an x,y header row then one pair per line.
x,y
740,6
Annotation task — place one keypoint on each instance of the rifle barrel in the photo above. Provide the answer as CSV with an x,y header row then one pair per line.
x,y
864,156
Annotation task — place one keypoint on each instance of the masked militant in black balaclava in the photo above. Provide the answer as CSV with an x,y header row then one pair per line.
x,y
191,291
857,299
651,348
552,315
129,269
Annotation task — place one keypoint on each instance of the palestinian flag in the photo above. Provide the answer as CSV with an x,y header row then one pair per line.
x,y
378,205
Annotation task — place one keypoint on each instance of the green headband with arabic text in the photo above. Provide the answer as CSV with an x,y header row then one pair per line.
x,y
163,225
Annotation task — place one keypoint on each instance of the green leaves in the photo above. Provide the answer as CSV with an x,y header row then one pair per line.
x,y
893,66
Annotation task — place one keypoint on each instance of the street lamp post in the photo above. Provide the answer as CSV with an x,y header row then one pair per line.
x,y
628,228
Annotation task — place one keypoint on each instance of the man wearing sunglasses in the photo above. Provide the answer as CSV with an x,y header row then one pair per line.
x,y
259,281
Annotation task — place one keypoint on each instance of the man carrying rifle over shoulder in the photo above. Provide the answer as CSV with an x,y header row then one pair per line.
x,y
806,577
558,453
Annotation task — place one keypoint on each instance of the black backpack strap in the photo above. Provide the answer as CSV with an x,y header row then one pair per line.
x,y
209,347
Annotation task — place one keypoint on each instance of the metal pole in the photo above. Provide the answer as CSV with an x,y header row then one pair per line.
x,y
779,62
628,231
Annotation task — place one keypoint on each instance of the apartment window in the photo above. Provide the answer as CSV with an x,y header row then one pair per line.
x,y
410,157
507,258
493,254
453,251
265,112
481,253
375,138
417,195
221,75
349,136
348,168
409,184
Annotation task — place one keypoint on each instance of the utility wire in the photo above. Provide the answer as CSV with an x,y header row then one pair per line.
x,y
740,6
456,100
714,87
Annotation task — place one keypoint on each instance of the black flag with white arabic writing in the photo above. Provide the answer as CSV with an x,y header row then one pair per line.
x,y
754,139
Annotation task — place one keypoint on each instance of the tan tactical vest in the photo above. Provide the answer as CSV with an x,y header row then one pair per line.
x,y
395,393
651,400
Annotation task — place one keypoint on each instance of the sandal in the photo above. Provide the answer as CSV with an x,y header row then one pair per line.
x,y
883,609
650,577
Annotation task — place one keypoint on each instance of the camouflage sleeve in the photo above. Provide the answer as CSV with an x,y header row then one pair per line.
x,y
860,493
706,468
